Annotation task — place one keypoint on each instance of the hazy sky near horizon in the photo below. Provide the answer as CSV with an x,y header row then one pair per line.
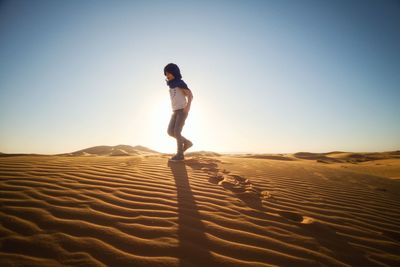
x,y
267,76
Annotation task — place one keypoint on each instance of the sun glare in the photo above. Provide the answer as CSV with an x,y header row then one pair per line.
x,y
159,117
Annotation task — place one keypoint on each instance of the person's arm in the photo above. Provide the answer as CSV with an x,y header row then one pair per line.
x,y
189,95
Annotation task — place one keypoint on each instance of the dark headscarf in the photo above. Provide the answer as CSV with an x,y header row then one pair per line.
x,y
177,81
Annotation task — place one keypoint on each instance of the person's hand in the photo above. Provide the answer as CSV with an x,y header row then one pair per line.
x,y
186,109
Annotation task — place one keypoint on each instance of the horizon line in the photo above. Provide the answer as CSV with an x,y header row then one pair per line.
x,y
213,151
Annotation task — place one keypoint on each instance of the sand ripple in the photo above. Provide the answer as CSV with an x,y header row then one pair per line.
x,y
209,211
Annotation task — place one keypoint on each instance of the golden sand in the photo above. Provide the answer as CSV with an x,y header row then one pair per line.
x,y
141,210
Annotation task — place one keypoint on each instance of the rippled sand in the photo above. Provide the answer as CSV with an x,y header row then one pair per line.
x,y
207,211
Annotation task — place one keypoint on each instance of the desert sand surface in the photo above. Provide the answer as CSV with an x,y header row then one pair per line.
x,y
129,206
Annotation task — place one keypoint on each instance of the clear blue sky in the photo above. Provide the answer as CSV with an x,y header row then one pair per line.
x,y
267,76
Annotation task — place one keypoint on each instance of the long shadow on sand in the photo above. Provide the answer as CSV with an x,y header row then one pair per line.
x,y
193,243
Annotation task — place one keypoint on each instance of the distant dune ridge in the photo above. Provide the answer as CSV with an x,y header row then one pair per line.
x,y
119,150
128,206
338,156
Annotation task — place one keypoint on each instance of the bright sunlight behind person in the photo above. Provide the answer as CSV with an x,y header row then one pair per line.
x,y
159,114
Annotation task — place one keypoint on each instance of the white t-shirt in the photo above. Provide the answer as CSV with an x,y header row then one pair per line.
x,y
178,99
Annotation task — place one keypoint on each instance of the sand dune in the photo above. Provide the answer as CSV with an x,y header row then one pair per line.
x,y
337,156
211,210
119,150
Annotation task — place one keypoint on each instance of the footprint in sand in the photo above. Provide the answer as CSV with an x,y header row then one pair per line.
x,y
266,195
296,217
240,186
307,220
215,179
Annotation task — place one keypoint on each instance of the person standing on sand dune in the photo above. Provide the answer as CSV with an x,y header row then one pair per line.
x,y
178,91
